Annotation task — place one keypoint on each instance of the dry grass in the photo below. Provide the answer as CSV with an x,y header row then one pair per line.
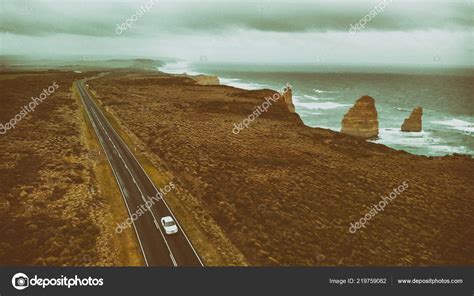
x,y
52,210
129,252
212,245
282,193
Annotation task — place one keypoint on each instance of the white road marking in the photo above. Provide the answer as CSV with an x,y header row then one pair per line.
x,y
116,177
136,184
162,197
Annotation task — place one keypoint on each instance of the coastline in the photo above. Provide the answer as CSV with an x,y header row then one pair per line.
x,y
434,140
280,174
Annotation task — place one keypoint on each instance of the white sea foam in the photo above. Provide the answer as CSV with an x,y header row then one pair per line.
x,y
457,124
436,146
401,109
311,98
296,99
319,91
178,68
307,113
322,106
184,67
394,136
240,84
445,149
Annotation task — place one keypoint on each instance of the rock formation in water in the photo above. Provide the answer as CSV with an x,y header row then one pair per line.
x,y
361,120
414,122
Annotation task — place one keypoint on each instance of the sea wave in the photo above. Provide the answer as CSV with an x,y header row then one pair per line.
x,y
401,109
446,149
178,68
240,83
394,136
185,68
319,91
457,124
321,106
311,97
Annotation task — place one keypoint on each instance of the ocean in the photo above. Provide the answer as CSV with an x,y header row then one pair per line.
x,y
322,95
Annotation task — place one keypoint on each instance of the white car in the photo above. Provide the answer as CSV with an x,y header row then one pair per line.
x,y
169,225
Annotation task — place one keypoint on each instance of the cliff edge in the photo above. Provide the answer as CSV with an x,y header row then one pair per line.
x,y
288,98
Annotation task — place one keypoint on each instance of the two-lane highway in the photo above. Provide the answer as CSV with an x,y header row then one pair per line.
x,y
158,248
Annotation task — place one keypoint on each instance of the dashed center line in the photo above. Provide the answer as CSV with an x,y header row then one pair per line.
x,y
134,181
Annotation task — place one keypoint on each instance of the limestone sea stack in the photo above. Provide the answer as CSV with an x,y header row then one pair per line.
x,y
413,123
288,99
361,120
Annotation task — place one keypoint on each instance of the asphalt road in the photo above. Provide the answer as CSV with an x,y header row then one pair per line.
x,y
158,248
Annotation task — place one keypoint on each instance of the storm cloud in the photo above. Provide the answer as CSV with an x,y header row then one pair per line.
x,y
98,18
242,30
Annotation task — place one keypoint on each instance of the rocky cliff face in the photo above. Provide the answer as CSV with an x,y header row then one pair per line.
x,y
206,79
361,119
288,98
413,123
284,166
202,79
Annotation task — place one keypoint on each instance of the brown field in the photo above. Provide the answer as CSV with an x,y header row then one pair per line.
x,y
58,200
281,193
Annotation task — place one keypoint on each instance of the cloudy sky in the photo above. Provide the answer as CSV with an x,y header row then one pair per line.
x,y
267,31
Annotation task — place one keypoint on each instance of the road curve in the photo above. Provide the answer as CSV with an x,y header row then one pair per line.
x,y
158,248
